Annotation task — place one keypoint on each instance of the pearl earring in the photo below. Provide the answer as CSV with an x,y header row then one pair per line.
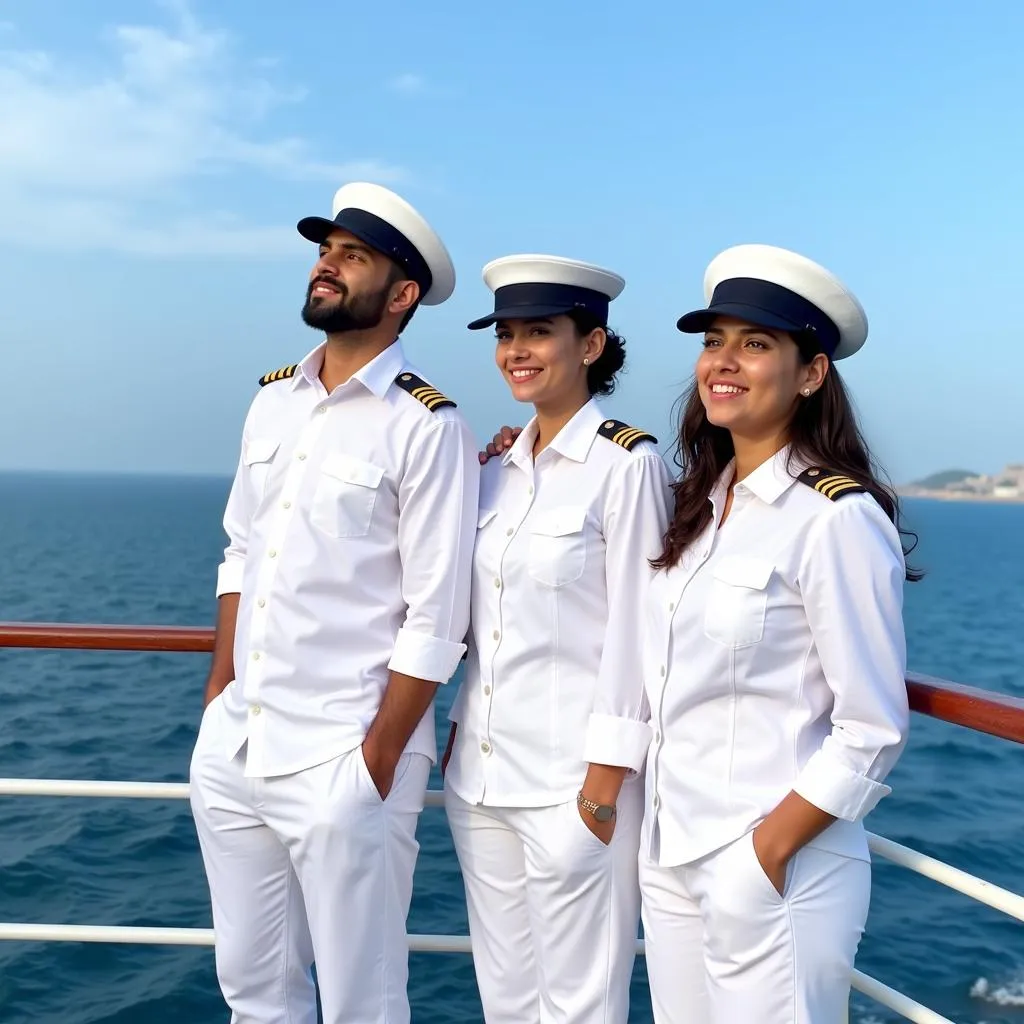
x,y
586,362
807,392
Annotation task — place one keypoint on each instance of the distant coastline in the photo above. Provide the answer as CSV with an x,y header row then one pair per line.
x,y
1003,488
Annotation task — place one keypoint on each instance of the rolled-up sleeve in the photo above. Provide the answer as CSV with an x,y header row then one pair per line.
x,y
635,519
436,533
851,580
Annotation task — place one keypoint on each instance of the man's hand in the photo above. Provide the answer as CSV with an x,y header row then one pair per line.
x,y
501,443
381,766
448,750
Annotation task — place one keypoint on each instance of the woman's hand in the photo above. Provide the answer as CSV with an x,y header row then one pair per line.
x,y
503,440
772,863
448,750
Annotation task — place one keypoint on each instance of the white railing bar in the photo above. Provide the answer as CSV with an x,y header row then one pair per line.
x,y
417,943
945,874
129,790
90,788
903,1005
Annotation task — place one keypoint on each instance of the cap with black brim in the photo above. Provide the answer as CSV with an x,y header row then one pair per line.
x,y
390,226
533,286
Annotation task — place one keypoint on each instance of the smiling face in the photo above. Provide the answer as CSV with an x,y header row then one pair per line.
x,y
351,286
543,360
750,379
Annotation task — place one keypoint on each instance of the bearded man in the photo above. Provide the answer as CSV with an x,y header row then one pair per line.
x,y
343,600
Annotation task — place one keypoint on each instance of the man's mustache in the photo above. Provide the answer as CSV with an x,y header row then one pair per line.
x,y
330,282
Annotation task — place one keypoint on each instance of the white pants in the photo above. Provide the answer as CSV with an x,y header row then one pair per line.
x,y
553,912
723,947
309,866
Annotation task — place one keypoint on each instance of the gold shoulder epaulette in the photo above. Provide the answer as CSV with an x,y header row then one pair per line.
x,y
283,374
625,435
422,391
832,485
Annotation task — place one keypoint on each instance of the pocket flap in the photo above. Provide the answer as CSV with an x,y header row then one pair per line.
x,y
558,522
741,571
260,449
352,471
485,516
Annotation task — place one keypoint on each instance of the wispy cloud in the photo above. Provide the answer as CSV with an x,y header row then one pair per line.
x,y
408,84
118,154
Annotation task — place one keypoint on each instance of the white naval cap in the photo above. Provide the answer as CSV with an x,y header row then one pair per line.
x,y
779,289
531,285
387,223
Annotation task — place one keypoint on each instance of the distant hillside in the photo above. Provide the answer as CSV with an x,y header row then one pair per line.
x,y
937,481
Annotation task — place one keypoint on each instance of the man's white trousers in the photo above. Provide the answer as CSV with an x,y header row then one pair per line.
x,y
724,947
308,866
553,911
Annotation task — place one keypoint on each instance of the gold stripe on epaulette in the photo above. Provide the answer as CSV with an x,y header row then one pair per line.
x,y
829,485
423,392
282,374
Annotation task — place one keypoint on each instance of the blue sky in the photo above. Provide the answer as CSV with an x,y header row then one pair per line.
x,y
154,158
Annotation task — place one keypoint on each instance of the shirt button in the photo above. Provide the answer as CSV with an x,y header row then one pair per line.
x,y
657,737
262,603
485,747
497,582
662,671
255,655
286,504
301,456
530,489
487,691
496,635
509,532
256,709
321,409
272,553
671,606
656,801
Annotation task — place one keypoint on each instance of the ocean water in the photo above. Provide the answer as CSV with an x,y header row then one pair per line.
x,y
144,550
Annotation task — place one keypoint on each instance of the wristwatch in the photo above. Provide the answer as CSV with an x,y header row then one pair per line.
x,y
602,812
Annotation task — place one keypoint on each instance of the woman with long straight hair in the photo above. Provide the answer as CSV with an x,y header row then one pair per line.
x,y
550,728
774,660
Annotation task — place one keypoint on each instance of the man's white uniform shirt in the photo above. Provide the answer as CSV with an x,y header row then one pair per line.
x,y
775,661
351,523
554,672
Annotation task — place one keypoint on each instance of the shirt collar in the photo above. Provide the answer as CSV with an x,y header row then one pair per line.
x,y
768,482
573,441
376,376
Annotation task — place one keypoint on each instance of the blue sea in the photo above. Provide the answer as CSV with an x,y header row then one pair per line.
x,y
144,550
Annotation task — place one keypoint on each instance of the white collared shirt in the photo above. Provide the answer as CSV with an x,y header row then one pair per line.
x,y
775,660
554,673
351,523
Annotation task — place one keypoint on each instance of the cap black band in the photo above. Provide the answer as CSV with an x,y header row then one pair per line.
x,y
376,233
559,297
779,303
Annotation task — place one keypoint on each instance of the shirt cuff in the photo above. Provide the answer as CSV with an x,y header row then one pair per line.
x,y
836,789
229,577
425,657
622,742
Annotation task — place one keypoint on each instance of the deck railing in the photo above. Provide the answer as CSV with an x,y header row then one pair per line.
x,y
981,710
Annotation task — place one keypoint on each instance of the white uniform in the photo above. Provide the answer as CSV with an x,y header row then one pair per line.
x,y
553,681
774,661
351,523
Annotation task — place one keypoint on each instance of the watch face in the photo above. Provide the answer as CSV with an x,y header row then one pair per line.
x,y
604,813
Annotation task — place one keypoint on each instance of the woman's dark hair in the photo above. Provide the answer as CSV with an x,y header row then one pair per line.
x,y
602,371
823,432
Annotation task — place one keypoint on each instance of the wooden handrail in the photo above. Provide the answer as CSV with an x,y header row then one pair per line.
x,y
987,711
82,637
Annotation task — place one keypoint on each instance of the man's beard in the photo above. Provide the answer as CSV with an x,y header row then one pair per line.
x,y
347,312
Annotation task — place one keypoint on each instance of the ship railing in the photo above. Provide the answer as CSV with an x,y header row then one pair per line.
x,y
983,711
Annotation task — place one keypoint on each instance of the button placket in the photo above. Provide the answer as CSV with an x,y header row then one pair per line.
x,y
297,469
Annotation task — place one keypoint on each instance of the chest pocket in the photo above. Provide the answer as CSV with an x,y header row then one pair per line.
x,y
737,602
558,546
258,457
345,496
